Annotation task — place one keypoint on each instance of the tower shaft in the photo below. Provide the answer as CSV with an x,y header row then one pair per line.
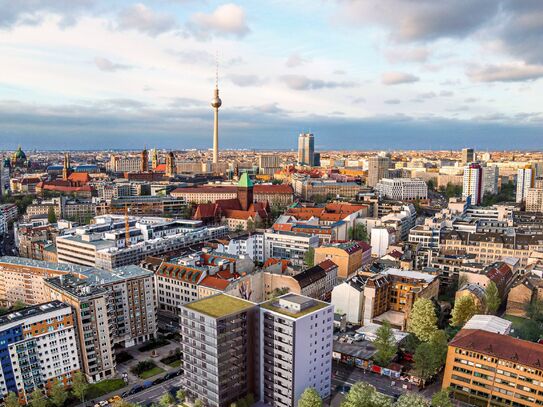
x,y
216,135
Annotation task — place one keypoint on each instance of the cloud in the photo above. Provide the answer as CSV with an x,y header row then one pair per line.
x,y
29,12
393,101
200,57
141,18
421,20
302,82
514,72
246,80
228,19
106,65
295,60
446,93
414,54
397,78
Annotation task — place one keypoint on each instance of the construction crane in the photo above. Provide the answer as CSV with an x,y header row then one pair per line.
x,y
126,227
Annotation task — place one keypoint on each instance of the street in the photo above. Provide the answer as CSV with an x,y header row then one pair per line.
x,y
153,394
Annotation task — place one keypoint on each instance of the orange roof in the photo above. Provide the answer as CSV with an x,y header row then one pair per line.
x,y
214,282
160,168
237,214
79,177
285,227
273,189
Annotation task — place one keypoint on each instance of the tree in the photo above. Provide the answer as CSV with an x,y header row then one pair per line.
x,y
426,363
492,299
464,309
310,398
80,386
423,319
250,225
442,399
58,394
440,343
18,305
363,394
411,400
534,310
167,400
181,395
309,257
198,403
51,215
37,399
410,343
385,344
12,400
358,232
250,399
530,330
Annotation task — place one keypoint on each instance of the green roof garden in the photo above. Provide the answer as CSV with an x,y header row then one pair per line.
x,y
220,305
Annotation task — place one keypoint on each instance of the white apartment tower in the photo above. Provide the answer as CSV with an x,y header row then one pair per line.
x,y
525,181
473,183
296,349
306,149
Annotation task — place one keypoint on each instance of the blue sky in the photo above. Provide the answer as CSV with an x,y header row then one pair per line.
x,y
360,74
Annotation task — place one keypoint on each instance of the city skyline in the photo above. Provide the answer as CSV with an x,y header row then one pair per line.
x,y
363,80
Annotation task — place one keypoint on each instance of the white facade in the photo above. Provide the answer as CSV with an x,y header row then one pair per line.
x,y
473,183
251,246
401,189
297,346
424,235
525,181
348,298
381,239
289,245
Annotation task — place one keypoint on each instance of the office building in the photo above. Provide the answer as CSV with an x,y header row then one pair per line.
x,y
269,163
525,181
124,164
306,149
468,156
534,197
377,169
220,339
296,348
402,189
473,183
486,368
38,348
350,257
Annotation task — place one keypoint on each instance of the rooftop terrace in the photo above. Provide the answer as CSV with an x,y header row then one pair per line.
x,y
221,305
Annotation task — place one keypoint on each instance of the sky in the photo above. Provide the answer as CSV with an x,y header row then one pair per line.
x,y
359,74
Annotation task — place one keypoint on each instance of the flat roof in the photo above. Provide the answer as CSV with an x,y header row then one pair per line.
x,y
410,274
32,311
23,261
221,305
273,305
490,323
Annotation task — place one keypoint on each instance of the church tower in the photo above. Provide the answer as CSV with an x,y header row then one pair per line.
x,y
245,191
144,167
66,167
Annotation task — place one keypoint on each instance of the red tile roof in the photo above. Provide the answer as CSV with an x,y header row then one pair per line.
x,y
215,283
82,177
327,265
273,189
160,168
500,346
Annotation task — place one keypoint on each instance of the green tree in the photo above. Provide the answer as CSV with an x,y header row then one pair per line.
x,y
426,362
411,400
442,399
310,398
18,305
250,399
358,232
385,344
12,400
440,342
363,394
58,394
534,310
423,319
464,309
410,343
51,215
198,403
530,330
80,386
250,225
309,257
166,400
181,395
37,399
492,299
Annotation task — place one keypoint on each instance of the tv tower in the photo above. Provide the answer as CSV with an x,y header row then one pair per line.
x,y
216,103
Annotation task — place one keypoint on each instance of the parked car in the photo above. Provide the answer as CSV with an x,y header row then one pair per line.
x,y
114,399
135,389
147,384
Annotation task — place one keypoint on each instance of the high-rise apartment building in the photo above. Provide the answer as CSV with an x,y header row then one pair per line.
x,y
468,156
306,149
377,169
534,198
269,163
233,347
38,347
491,176
525,181
220,336
473,183
296,349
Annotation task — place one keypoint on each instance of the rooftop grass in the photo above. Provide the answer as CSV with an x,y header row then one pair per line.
x,y
270,305
218,306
